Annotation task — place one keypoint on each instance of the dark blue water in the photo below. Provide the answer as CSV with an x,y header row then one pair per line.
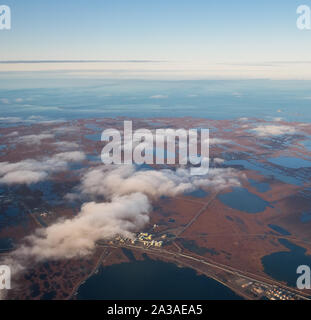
x,y
47,190
143,167
6,244
305,217
12,211
93,157
290,162
93,136
200,193
148,279
12,215
260,186
283,265
267,171
93,127
279,229
307,143
243,200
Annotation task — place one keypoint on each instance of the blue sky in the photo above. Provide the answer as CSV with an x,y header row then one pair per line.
x,y
210,31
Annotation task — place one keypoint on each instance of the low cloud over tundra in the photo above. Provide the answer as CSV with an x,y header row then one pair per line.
x,y
273,130
154,183
34,138
66,145
128,198
32,171
77,237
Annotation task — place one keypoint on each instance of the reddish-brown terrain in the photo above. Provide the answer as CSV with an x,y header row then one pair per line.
x,y
218,233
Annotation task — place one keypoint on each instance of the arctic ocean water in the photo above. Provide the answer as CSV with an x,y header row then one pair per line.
x,y
24,95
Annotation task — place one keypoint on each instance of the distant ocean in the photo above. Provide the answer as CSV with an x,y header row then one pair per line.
x,y
26,95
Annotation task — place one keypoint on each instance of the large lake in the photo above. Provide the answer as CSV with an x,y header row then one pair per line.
x,y
283,265
149,279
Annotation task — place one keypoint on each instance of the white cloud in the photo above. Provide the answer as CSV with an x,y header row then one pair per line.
x,y
47,122
273,130
23,177
128,195
74,156
32,171
237,94
12,134
4,100
10,119
64,130
66,145
159,96
77,237
154,183
36,117
34,138
277,119
218,161
31,119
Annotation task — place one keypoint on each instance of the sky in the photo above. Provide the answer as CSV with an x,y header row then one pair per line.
x,y
198,38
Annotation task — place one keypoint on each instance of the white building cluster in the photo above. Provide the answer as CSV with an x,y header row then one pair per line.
x,y
147,241
143,238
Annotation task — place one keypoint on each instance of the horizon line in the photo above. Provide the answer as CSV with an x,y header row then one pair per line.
x,y
78,61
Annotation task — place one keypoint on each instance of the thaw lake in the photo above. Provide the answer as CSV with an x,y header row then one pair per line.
x,y
243,200
283,265
290,162
149,279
